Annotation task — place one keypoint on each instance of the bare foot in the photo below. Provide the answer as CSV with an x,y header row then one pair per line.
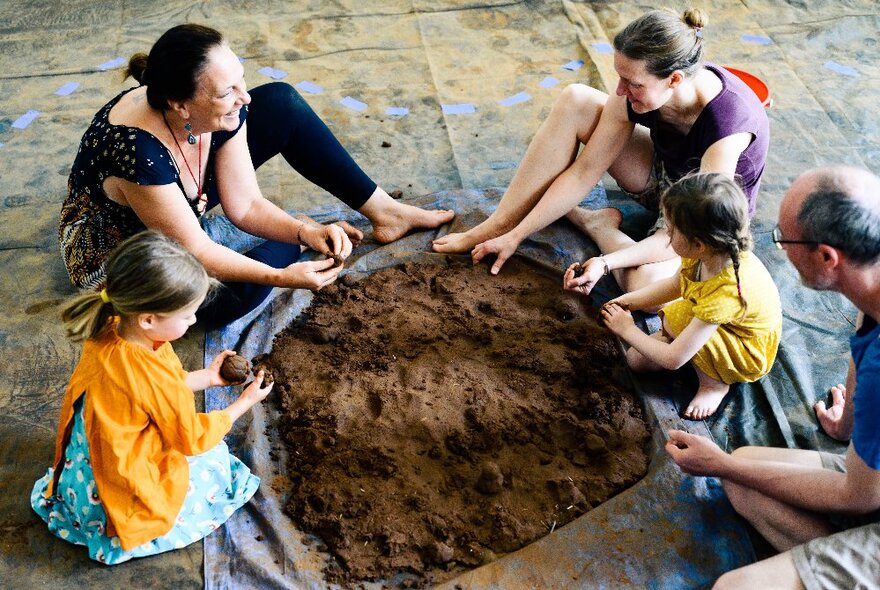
x,y
398,220
590,221
459,242
706,401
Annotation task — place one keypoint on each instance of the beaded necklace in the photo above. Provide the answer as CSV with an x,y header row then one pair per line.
x,y
202,197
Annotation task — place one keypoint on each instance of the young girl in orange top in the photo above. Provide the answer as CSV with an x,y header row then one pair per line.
x,y
137,470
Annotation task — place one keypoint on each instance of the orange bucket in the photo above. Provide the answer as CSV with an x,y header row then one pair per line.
x,y
758,86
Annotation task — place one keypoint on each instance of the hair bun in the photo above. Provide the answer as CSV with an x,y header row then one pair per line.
x,y
695,18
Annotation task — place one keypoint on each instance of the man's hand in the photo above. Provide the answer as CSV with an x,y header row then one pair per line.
x,y
831,419
695,455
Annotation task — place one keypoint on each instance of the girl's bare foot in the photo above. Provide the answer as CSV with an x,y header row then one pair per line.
x,y
707,400
590,221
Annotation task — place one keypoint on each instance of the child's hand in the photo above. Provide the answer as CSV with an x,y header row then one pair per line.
x,y
255,392
617,318
696,455
581,278
214,369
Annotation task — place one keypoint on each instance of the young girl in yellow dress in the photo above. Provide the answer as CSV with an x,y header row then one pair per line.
x,y
722,312
137,470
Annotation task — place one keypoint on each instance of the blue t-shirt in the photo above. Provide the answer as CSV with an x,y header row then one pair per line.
x,y
865,348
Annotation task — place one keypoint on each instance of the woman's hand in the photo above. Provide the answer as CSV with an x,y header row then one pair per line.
x,y
313,275
593,270
618,319
503,247
326,239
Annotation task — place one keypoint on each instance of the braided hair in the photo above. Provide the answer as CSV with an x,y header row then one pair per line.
x,y
711,208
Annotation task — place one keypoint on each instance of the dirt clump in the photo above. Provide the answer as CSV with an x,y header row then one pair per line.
x,y
235,368
437,417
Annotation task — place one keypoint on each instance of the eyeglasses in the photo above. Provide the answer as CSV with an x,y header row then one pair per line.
x,y
779,241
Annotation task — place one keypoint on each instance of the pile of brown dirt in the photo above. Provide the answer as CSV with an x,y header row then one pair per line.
x,y
437,417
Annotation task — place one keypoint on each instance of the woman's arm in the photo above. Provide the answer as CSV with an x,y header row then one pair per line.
x,y
723,155
669,355
244,204
164,209
601,150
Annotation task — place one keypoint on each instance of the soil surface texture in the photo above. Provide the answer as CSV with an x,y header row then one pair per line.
x,y
437,417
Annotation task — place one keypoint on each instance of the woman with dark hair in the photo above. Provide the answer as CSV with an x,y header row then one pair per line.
x,y
189,137
672,113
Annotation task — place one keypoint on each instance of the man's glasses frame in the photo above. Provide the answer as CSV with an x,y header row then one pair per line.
x,y
779,240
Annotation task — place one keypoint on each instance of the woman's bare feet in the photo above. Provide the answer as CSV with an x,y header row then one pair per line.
x,y
593,221
401,219
461,242
709,395
392,219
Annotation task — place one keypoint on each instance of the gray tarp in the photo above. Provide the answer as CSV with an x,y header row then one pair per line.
x,y
668,531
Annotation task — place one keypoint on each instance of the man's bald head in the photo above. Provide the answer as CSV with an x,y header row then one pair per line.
x,y
838,206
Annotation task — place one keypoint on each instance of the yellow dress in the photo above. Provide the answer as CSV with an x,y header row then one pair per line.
x,y
743,348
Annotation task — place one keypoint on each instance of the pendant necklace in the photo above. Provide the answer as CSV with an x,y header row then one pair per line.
x,y
202,197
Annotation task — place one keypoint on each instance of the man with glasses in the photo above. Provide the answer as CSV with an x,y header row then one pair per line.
x,y
821,510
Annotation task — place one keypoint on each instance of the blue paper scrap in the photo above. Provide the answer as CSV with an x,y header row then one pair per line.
x,y
310,87
67,88
841,69
760,39
574,65
353,103
548,82
272,73
113,63
397,111
458,109
26,119
241,60
503,164
515,99
602,47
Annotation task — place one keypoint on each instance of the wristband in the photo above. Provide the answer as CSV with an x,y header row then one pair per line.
x,y
299,233
605,264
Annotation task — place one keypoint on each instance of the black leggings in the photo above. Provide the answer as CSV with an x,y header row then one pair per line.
x,y
280,121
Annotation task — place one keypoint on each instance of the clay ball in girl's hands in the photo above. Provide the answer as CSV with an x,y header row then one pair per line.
x,y
235,368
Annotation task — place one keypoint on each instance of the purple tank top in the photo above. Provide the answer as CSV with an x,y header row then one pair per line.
x,y
736,109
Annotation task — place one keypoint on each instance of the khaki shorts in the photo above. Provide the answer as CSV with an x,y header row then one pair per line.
x,y
658,182
845,560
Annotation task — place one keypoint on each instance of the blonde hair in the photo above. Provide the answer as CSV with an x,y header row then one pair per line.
x,y
147,273
711,208
665,41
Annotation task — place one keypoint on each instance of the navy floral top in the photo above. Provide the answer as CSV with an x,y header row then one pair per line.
x,y
91,223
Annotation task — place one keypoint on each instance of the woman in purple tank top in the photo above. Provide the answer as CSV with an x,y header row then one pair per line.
x,y
671,114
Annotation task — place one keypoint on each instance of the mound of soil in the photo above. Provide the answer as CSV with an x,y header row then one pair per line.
x,y
437,418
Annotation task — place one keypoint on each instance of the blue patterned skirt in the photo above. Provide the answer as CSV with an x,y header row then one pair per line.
x,y
219,484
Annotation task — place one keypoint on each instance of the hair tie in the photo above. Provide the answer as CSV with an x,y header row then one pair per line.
x,y
698,31
104,297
